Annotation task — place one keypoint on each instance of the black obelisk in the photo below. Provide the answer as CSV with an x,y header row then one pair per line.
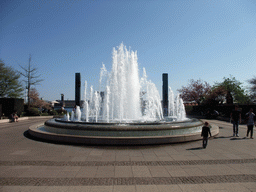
x,y
78,89
165,94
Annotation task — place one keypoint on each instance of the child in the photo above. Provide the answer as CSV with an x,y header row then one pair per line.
x,y
204,134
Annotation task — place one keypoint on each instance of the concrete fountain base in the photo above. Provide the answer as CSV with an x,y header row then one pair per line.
x,y
120,133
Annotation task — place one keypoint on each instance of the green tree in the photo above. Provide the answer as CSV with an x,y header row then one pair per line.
x,y
233,90
195,91
10,86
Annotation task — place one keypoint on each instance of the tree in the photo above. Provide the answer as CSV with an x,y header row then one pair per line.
x,y
216,96
233,90
195,91
253,88
10,86
31,78
35,101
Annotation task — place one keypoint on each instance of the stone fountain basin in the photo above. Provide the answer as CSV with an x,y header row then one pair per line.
x,y
120,133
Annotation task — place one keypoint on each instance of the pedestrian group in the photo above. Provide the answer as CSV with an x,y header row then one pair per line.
x,y
235,118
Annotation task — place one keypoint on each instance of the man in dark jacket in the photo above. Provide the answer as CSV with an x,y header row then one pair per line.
x,y
204,134
235,119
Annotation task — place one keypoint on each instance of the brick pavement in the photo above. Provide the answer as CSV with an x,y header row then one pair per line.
x,y
227,164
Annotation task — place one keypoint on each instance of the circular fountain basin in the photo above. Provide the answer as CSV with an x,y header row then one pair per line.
x,y
120,133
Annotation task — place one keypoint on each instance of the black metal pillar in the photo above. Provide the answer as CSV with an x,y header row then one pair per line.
x,y
78,89
165,94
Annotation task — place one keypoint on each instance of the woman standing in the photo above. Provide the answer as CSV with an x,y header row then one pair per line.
x,y
250,116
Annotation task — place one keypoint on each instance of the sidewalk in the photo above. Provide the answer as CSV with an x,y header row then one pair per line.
x,y
227,164
25,118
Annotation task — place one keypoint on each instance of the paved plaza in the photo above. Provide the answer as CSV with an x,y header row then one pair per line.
x,y
227,164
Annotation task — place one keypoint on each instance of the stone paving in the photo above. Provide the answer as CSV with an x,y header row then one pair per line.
x,y
227,164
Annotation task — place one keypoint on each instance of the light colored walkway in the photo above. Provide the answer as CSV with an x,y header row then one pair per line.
x,y
227,164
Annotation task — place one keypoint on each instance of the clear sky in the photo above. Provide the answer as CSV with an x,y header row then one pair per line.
x,y
194,39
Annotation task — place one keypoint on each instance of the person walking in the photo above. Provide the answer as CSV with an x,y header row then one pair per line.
x,y
250,116
205,132
235,119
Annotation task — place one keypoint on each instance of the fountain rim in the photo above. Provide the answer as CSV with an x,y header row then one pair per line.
x,y
35,131
143,126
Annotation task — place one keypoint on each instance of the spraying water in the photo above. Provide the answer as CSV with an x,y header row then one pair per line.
x,y
176,107
125,97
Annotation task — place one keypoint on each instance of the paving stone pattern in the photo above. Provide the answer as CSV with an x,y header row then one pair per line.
x,y
126,163
227,164
126,181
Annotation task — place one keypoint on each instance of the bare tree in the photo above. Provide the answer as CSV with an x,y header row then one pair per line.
x,y
252,88
253,85
31,78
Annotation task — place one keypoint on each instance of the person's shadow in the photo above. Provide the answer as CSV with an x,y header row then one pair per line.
x,y
196,148
222,137
238,138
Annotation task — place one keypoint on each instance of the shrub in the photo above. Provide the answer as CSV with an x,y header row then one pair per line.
x,y
189,109
33,112
53,112
23,114
61,112
44,114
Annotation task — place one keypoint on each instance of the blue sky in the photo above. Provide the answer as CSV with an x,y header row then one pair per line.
x,y
194,39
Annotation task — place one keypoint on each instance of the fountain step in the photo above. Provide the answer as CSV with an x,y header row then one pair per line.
x,y
102,136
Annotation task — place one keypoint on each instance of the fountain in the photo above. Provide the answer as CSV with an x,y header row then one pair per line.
x,y
124,110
